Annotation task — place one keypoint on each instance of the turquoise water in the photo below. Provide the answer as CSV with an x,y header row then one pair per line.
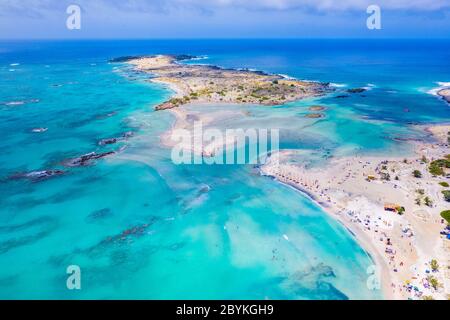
x,y
197,231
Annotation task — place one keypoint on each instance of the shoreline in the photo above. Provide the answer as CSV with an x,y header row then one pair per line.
x,y
360,237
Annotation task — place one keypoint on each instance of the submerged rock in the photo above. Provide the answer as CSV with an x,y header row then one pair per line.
x,y
105,116
356,90
100,214
315,115
86,159
124,136
38,175
316,108
104,142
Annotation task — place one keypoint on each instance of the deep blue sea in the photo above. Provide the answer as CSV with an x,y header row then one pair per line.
x,y
141,227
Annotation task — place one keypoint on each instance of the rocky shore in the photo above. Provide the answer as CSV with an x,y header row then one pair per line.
x,y
445,94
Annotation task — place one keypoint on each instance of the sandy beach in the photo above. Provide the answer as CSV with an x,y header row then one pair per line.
x,y
360,191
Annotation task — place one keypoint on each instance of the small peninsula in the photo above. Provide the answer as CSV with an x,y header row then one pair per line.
x,y
205,84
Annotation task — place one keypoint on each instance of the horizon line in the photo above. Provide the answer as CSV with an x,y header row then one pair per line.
x,y
221,38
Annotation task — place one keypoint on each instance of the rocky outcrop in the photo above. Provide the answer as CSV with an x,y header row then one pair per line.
x,y
86,160
445,94
124,136
166,106
316,108
38,175
356,90
315,115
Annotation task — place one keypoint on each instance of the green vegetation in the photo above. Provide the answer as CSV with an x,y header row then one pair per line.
x,y
428,202
446,194
446,215
436,167
420,192
385,176
417,174
176,101
424,159
401,210
444,184
427,298
433,282
434,265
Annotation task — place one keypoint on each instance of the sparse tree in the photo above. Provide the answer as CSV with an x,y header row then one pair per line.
x,y
434,282
434,265
428,202
417,174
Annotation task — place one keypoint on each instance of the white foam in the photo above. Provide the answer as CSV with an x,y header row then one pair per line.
x,y
199,58
15,103
442,85
39,130
286,77
338,85
369,86
14,64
